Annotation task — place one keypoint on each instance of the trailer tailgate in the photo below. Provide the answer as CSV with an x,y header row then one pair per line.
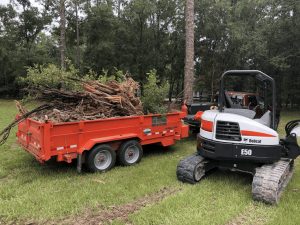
x,y
30,136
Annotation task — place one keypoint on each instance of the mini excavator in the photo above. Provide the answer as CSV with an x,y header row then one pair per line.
x,y
245,139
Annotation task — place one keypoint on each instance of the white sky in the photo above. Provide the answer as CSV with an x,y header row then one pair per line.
x,y
47,29
4,2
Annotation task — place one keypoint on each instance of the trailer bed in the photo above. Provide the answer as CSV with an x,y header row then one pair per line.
x,y
65,141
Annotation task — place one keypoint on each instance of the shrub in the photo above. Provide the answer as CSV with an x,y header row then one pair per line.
x,y
50,76
53,77
118,76
154,94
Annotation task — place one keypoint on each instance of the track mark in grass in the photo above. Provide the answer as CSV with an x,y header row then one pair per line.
x,y
118,212
14,145
99,181
250,215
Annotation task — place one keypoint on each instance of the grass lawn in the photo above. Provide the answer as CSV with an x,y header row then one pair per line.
x,y
46,193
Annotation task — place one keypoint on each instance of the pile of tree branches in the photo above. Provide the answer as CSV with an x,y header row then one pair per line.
x,y
96,100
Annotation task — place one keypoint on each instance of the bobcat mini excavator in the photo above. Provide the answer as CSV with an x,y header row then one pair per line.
x,y
245,140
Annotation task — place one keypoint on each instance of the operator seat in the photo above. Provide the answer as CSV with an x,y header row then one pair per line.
x,y
236,108
230,103
265,119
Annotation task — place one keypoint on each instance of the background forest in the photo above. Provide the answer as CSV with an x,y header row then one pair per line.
x,y
137,36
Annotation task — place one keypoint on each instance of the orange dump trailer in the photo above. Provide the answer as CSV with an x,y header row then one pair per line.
x,y
99,143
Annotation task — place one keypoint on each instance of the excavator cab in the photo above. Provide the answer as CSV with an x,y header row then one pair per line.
x,y
265,111
238,139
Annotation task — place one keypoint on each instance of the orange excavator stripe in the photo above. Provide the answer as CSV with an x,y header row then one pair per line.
x,y
254,133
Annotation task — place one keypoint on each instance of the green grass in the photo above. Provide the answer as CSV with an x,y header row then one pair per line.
x,y
29,190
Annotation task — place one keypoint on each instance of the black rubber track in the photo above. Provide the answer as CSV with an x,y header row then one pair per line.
x,y
270,180
187,167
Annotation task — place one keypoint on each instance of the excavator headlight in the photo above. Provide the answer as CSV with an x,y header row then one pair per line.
x,y
207,125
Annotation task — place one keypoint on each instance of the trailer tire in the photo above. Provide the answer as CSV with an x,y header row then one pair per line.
x,y
101,158
130,153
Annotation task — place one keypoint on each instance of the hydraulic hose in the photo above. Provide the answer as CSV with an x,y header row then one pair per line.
x,y
290,126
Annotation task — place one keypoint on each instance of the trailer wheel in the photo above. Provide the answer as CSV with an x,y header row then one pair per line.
x,y
101,158
130,153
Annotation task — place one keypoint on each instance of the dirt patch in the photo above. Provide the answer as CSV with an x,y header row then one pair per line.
x,y
117,212
104,215
247,217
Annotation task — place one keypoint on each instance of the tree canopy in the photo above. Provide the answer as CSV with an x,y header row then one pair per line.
x,y
141,35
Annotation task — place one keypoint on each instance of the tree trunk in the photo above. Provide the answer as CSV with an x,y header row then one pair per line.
x,y
141,50
119,8
212,82
62,34
88,5
189,52
77,36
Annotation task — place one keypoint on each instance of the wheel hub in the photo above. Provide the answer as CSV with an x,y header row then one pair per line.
x,y
102,160
132,154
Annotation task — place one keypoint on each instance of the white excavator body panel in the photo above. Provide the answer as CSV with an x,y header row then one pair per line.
x,y
251,131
